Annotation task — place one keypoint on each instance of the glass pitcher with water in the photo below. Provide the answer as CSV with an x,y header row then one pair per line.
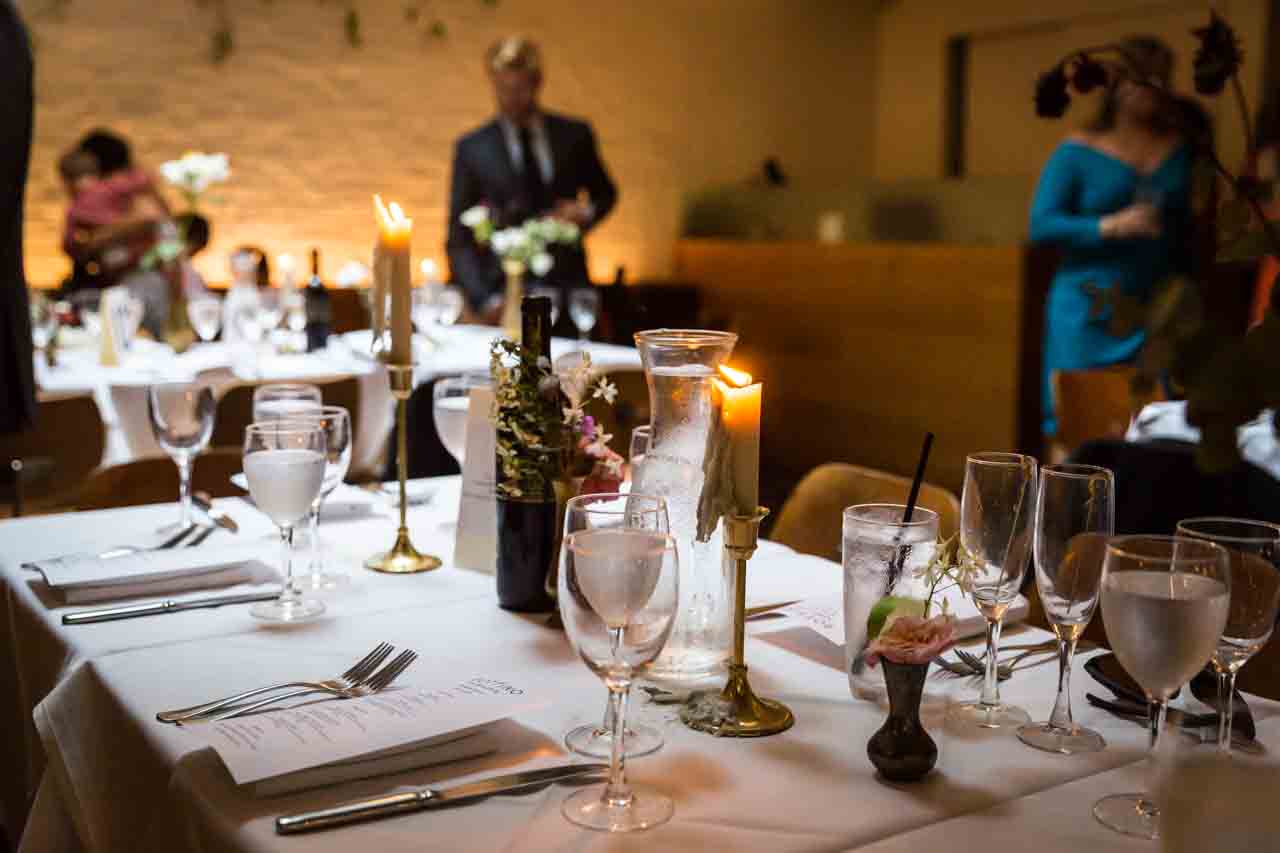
x,y
679,365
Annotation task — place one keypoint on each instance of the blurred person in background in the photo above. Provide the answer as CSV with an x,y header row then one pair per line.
x,y
1115,199
17,385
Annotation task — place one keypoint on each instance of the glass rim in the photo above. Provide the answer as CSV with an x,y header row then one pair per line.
x,y
657,502
321,411
469,379
284,386
1076,471
998,457
571,539
1117,545
850,513
170,384
1233,539
284,425
685,337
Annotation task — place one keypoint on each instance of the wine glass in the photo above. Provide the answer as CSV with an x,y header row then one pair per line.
x,y
284,462
181,415
271,308
426,308
1253,547
996,511
284,400
205,314
584,307
640,437
551,293
451,400
335,421
1164,602
1073,520
612,511
451,303
617,597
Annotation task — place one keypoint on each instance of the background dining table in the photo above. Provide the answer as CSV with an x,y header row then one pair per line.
x,y
120,391
80,702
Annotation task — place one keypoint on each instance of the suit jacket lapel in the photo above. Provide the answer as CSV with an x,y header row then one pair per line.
x,y
500,155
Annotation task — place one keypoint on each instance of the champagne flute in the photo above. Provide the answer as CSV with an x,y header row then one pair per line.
x,y
335,421
584,308
996,511
284,400
618,599
181,415
284,462
612,511
1164,602
205,314
1253,548
1073,520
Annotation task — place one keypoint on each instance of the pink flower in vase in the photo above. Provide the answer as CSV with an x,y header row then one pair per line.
x,y
912,640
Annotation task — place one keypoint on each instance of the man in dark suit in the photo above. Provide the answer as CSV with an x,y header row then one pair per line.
x,y
17,386
526,162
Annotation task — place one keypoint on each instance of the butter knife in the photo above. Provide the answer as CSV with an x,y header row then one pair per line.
x,y
426,798
170,605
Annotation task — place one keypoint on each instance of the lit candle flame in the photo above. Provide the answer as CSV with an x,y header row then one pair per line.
x,y
737,378
391,216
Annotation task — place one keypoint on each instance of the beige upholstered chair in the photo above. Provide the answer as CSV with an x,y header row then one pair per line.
x,y
812,518
154,480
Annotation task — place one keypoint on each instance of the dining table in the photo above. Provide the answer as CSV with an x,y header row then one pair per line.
x,y
91,769
120,389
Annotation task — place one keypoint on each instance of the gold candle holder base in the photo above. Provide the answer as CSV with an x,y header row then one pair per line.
x,y
403,558
736,711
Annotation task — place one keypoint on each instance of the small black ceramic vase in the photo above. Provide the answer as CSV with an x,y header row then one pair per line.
x,y
902,750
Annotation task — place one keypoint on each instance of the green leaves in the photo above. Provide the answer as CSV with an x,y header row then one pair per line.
x,y
351,26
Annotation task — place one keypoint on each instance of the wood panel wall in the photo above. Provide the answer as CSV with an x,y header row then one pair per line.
x,y
863,348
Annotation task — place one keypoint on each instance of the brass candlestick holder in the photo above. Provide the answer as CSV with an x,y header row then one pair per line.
x,y
736,711
403,558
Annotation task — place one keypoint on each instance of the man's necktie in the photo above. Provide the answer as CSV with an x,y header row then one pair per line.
x,y
535,189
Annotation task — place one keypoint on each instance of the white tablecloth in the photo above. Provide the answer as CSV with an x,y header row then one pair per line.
x,y
118,780
121,391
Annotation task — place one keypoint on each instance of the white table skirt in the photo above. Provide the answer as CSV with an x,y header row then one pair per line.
x,y
117,780
120,392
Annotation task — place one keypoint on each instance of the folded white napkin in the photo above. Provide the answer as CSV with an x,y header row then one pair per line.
x,y
82,578
443,749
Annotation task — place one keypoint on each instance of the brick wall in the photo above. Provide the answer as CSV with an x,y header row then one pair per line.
x,y
683,93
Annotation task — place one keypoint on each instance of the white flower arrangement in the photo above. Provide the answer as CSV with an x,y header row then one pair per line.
x,y
194,172
526,244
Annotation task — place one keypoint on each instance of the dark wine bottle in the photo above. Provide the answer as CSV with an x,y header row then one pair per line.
x,y
318,308
527,529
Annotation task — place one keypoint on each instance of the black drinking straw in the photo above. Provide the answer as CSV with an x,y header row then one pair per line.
x,y
895,566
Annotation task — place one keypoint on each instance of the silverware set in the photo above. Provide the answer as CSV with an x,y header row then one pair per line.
x,y
216,520
368,676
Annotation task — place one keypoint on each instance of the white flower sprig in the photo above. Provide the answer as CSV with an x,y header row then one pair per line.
x,y
526,244
950,562
194,172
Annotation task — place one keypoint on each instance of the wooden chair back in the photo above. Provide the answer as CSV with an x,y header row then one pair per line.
x,y
69,431
1094,403
155,480
812,519
235,408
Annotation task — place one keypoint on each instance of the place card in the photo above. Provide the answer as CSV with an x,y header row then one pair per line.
x,y
476,546
393,722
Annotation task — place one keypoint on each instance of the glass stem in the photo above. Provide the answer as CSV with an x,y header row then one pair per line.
x,y
991,679
313,521
184,488
288,592
1157,709
1061,716
1226,694
617,794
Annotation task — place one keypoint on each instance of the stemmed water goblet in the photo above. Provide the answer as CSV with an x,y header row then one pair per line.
x,y
996,511
205,314
284,462
285,399
584,309
612,511
181,415
335,421
451,401
617,596
1253,548
1074,518
1164,602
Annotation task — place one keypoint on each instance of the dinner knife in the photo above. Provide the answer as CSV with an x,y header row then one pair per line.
x,y
170,605
426,798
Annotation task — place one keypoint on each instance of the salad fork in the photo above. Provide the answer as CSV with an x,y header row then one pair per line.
x,y
353,676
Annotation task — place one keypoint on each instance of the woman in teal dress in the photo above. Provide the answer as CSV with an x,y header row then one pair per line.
x,y
1115,199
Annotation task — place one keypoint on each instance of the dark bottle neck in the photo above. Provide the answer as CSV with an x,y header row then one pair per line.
x,y
535,325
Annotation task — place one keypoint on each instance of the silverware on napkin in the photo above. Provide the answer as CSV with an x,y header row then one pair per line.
x,y
169,605
425,798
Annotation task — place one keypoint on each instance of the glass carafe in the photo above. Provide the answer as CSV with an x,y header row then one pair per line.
x,y
679,365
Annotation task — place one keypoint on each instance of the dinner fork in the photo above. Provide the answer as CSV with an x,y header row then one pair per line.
x,y
362,670
380,680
